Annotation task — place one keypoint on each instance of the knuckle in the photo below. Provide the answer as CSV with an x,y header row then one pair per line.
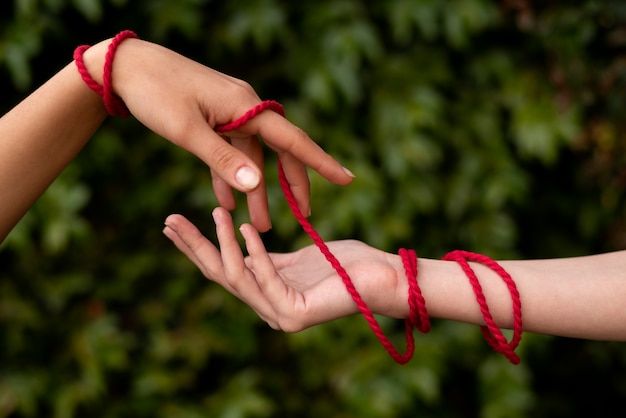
x,y
232,282
247,88
223,157
288,324
299,137
243,89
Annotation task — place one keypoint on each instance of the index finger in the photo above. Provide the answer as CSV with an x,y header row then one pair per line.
x,y
283,136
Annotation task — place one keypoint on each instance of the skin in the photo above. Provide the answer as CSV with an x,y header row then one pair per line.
x,y
574,297
177,98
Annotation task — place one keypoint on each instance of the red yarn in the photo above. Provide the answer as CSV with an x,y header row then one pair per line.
x,y
415,298
356,297
418,315
490,330
82,69
251,114
113,104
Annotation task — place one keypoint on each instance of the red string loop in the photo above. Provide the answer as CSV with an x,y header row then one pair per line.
x,y
113,104
490,330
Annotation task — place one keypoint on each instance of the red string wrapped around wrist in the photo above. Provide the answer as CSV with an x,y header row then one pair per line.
x,y
113,104
418,315
490,330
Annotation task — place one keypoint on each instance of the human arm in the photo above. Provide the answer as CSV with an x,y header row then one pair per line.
x,y
173,96
575,297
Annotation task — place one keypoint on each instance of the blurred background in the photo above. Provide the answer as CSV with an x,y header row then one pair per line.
x,y
492,126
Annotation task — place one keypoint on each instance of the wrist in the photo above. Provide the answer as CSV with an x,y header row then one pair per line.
x,y
434,278
89,61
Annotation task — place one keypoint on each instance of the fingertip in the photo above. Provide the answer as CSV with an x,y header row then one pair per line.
x,y
305,207
263,225
175,221
220,215
169,232
346,177
348,172
247,178
246,229
171,219
251,236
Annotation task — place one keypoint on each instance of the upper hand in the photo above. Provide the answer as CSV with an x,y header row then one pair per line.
x,y
184,101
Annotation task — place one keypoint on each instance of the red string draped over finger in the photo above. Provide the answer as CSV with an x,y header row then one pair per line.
x,y
251,114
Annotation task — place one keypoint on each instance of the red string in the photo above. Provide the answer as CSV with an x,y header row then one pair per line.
x,y
490,330
418,315
82,69
113,104
415,299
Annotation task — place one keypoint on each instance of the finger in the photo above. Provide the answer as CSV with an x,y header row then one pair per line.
x,y
190,241
230,164
207,258
281,135
265,274
223,192
296,175
184,248
232,258
257,198
236,272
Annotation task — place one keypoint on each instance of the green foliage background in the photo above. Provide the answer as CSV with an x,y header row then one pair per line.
x,y
490,126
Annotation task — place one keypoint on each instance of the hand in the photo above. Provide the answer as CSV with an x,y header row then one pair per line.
x,y
291,291
183,101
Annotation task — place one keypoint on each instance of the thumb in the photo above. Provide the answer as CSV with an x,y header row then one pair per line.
x,y
229,163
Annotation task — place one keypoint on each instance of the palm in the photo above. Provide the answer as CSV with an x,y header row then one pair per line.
x,y
289,291
315,292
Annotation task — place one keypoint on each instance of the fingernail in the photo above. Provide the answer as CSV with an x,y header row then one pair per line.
x,y
348,172
168,232
247,177
215,215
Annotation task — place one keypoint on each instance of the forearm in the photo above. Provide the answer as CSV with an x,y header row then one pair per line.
x,y
576,297
41,135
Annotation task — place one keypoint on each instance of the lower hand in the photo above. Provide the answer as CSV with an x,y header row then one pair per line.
x,y
291,291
